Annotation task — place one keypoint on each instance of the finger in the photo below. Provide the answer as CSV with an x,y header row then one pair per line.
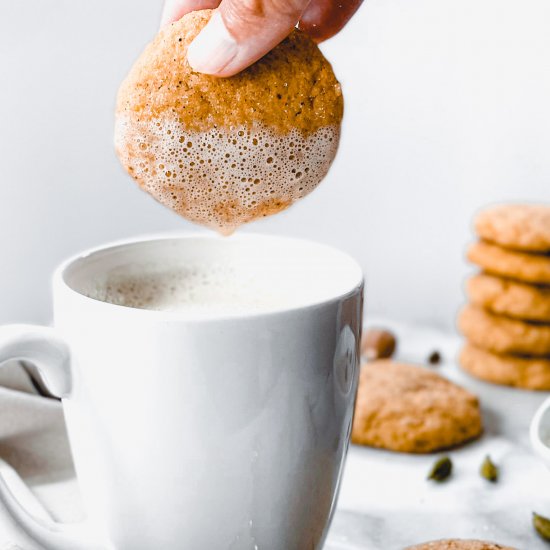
x,y
242,31
324,18
176,9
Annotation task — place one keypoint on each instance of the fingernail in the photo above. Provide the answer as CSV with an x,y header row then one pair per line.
x,y
213,49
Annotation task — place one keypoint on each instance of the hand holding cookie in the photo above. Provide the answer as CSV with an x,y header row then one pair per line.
x,y
240,32
226,151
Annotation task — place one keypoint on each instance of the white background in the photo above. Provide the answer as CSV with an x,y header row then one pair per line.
x,y
447,109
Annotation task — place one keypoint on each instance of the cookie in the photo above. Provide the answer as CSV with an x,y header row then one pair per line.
x,y
225,151
459,544
503,334
530,268
409,409
507,370
519,226
509,297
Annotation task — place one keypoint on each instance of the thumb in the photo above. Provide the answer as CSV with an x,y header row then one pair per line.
x,y
242,31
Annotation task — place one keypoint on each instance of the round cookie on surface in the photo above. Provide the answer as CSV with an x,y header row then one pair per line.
x,y
507,370
509,297
459,544
530,268
407,408
519,226
503,334
225,151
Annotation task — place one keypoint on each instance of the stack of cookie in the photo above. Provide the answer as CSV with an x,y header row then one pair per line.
x,y
507,323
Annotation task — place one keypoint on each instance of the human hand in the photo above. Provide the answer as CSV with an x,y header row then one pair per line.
x,y
242,31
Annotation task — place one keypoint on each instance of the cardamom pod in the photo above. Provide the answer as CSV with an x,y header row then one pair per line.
x,y
542,526
489,470
441,470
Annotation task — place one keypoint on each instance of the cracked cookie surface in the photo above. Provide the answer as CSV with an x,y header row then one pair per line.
x,y
503,334
518,226
509,297
508,370
529,268
408,408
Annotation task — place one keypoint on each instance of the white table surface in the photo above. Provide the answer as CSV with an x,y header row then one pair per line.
x,y
385,500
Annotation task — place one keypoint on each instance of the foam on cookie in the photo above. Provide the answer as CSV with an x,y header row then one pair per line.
x,y
222,178
223,152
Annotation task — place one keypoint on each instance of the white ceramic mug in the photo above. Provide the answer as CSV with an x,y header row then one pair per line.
x,y
210,433
539,432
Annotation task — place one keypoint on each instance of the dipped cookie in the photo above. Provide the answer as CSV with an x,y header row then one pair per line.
x,y
225,151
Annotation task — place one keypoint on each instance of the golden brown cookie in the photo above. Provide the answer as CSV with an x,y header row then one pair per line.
x,y
410,409
519,226
225,151
509,297
503,334
530,268
507,370
459,544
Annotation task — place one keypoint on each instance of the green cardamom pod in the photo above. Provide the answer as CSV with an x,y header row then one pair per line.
x,y
441,470
489,470
542,526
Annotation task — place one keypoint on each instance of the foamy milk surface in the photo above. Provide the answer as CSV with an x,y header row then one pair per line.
x,y
209,290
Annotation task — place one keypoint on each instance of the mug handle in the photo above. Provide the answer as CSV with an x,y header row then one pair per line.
x,y
50,354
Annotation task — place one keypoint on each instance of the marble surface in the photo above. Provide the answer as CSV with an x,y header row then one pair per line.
x,y
385,501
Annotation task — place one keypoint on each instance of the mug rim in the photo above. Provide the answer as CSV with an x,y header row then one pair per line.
x,y
60,283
